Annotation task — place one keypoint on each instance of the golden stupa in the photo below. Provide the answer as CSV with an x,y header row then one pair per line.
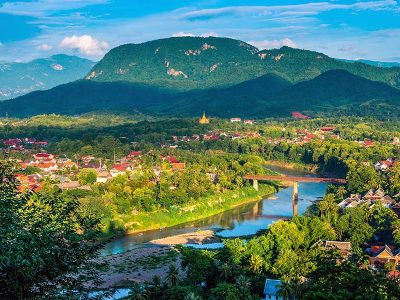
x,y
203,119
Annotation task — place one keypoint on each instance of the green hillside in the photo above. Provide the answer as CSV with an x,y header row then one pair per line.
x,y
333,92
187,63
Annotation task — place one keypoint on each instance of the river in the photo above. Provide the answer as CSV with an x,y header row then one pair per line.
x,y
242,221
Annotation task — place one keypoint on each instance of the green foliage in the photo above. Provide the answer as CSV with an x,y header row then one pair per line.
x,y
43,243
87,176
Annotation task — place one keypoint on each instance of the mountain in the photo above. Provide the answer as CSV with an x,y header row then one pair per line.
x,y
331,93
17,79
186,63
224,77
381,64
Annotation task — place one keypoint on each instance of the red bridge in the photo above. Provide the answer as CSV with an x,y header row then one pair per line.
x,y
295,180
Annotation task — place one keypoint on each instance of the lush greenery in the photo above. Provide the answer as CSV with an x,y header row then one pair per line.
x,y
45,249
225,77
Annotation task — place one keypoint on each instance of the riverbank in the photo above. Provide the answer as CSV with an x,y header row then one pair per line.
x,y
203,208
293,166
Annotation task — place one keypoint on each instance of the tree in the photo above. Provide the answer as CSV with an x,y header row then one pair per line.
x,y
138,292
172,275
226,291
243,285
44,243
329,208
87,176
286,290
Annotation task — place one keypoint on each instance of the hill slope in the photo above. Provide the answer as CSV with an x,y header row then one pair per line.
x,y
186,63
333,92
17,79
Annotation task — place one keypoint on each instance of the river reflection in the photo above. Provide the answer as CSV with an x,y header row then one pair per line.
x,y
241,221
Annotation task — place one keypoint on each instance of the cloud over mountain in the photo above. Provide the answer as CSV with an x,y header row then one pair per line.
x,y
86,44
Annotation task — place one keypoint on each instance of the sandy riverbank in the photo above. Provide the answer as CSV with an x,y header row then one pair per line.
x,y
154,259
197,237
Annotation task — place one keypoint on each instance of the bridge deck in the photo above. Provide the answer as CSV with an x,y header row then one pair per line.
x,y
295,178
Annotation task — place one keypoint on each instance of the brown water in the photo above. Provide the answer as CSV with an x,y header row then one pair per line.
x,y
242,221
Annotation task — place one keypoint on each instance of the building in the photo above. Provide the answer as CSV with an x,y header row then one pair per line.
x,y
235,120
271,289
249,122
204,119
343,247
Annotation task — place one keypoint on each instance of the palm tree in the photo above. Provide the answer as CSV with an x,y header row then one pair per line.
x,y
173,275
286,289
138,292
155,287
192,296
226,270
243,285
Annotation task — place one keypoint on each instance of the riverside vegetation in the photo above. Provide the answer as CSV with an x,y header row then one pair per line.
x,y
61,225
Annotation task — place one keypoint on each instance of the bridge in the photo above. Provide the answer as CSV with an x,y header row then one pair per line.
x,y
295,180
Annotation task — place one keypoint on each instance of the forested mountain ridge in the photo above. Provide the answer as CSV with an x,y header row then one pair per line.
x,y
17,79
224,77
185,63
333,92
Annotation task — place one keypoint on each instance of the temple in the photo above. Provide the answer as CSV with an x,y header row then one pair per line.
x,y
204,119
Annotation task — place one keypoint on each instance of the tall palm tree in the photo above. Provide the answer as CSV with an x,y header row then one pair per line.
x,y
192,296
155,287
138,292
225,270
173,275
286,290
243,285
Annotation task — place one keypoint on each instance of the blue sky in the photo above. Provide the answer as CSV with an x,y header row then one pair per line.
x,y
89,28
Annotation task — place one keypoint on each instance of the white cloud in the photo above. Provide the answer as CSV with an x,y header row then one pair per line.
x,y
181,34
273,44
212,33
1,44
41,8
306,9
86,44
44,47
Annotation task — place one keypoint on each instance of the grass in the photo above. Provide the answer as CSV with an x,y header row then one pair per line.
x,y
203,208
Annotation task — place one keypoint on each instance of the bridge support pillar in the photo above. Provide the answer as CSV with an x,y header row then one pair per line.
x,y
295,198
255,184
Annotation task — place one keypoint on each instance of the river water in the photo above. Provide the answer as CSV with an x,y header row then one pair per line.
x,y
242,221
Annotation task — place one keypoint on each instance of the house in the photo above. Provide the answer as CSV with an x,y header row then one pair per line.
x,y
367,143
327,128
134,154
271,289
299,115
384,165
249,122
73,185
343,247
178,166
352,201
396,209
120,169
103,176
236,120
379,255
170,159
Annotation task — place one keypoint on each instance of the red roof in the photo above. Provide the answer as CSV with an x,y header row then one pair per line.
x,y
299,115
44,155
171,159
178,166
121,167
135,153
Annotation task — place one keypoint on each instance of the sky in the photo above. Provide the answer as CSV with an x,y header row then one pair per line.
x,y
344,29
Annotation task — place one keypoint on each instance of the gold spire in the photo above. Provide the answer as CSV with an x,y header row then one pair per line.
x,y
203,119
